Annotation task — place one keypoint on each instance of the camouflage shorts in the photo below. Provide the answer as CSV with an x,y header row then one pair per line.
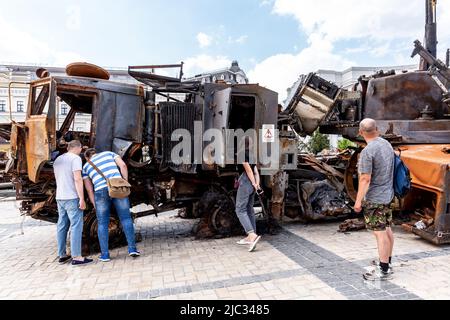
x,y
378,217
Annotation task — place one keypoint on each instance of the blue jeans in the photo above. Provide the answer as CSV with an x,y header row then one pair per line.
x,y
245,201
103,204
70,216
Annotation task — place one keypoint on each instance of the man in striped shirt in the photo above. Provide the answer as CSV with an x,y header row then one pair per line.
x,y
111,165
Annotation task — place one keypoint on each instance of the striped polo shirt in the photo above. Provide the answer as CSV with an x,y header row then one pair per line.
x,y
106,163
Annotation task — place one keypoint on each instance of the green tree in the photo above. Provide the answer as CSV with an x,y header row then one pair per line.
x,y
345,144
318,143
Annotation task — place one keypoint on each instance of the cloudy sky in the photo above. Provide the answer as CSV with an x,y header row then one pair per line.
x,y
273,40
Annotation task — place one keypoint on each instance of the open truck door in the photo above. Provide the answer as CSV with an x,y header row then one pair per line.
x,y
39,131
36,145
217,112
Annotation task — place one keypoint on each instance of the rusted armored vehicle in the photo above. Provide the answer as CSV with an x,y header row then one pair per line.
x,y
127,120
412,111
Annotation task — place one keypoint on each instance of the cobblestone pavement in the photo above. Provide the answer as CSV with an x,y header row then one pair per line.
x,y
302,262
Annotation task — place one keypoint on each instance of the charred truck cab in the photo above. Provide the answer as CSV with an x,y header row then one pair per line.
x,y
114,109
127,120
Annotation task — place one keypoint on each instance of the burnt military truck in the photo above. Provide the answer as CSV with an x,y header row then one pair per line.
x,y
412,110
127,120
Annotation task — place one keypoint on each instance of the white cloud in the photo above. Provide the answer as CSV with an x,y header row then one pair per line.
x,y
338,20
20,46
204,63
379,21
280,71
73,21
242,39
238,40
378,29
264,3
204,40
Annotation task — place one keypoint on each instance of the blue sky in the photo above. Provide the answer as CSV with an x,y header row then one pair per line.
x,y
273,40
119,33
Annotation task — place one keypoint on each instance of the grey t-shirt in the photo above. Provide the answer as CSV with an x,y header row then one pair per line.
x,y
64,168
377,159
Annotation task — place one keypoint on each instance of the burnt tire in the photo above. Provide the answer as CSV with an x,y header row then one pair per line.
x,y
91,245
218,217
189,212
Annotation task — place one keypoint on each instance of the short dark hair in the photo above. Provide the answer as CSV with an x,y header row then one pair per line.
x,y
89,153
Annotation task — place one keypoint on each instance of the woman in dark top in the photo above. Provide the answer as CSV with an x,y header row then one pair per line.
x,y
249,184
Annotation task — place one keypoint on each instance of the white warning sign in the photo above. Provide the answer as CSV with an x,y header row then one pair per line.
x,y
268,132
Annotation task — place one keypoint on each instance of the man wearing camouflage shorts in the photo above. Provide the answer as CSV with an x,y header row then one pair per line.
x,y
375,195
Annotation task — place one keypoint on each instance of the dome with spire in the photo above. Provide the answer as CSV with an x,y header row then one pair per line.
x,y
235,66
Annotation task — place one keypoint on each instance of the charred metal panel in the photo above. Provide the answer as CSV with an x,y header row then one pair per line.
x,y
118,116
400,132
18,152
121,147
215,100
217,97
88,84
403,97
129,117
177,116
221,108
105,114
288,153
51,118
266,103
149,125
279,184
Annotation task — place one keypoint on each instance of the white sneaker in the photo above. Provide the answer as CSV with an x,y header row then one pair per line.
x,y
377,275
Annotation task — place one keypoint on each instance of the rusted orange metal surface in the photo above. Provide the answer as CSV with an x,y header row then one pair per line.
x,y
429,165
430,171
36,145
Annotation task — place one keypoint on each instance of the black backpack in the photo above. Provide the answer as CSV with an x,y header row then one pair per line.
x,y
402,178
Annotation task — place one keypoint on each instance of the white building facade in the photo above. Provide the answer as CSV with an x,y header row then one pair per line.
x,y
231,75
348,78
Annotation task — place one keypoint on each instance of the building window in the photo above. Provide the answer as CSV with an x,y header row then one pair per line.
x,y
2,105
20,106
222,77
64,109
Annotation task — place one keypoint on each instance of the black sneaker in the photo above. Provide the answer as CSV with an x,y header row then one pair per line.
x,y
135,254
376,263
64,260
77,263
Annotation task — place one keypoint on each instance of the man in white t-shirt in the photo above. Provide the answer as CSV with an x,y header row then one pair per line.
x,y
71,203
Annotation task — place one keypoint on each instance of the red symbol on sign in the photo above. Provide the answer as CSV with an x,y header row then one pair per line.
x,y
269,134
